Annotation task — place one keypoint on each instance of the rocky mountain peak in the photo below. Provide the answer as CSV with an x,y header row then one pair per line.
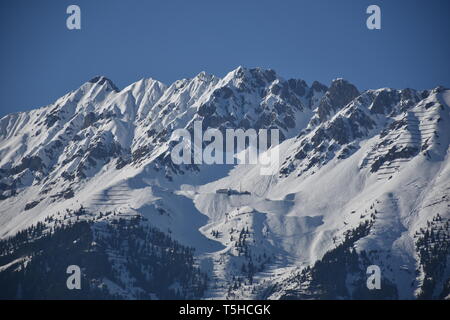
x,y
100,80
340,93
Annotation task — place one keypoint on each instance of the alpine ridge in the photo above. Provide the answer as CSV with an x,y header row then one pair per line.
x,y
364,179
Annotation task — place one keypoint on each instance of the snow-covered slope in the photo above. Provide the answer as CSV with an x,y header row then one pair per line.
x,y
364,179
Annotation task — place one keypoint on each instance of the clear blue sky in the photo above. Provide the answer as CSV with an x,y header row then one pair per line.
x,y
40,59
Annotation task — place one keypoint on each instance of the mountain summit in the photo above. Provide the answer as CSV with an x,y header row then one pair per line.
x,y
364,180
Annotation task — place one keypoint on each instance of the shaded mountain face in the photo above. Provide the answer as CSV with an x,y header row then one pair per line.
x,y
101,155
337,96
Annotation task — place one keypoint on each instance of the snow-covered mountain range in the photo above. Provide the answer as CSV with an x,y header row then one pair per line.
x,y
364,179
